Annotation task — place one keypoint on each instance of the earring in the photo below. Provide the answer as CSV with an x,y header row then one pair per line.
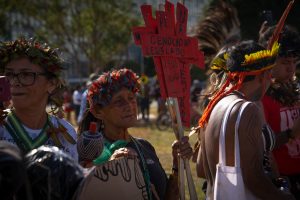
x,y
214,79
101,125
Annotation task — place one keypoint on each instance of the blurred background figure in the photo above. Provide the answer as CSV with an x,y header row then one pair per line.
x,y
68,104
145,101
195,91
84,103
76,97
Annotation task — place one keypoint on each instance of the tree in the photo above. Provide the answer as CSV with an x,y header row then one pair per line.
x,y
6,21
86,29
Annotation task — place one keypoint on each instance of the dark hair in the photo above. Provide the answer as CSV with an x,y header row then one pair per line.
x,y
88,117
13,179
52,173
289,40
237,57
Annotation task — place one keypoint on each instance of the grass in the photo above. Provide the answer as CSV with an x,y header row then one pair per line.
x,y
162,141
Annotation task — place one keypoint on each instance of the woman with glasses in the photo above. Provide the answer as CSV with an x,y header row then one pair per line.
x,y
113,106
34,73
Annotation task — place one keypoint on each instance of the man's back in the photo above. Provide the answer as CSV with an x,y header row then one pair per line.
x,y
210,140
251,148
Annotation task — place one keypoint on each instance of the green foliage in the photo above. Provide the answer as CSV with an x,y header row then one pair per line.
x,y
197,73
95,30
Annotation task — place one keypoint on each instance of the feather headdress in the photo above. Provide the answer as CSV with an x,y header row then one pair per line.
x,y
221,26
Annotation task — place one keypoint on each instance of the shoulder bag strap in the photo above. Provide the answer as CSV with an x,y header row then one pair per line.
x,y
236,137
222,154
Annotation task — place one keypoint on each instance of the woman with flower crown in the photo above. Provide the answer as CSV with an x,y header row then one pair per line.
x,y
113,106
34,73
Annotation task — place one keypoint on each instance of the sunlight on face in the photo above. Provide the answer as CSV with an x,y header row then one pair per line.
x,y
122,110
28,96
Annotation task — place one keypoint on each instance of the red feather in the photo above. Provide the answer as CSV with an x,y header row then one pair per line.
x,y
280,25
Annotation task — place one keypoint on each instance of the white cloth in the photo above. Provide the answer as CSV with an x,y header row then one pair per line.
x,y
82,106
69,148
77,97
229,184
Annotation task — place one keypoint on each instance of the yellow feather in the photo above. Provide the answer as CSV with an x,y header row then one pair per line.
x,y
263,54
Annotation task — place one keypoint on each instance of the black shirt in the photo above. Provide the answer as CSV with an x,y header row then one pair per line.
x,y
157,174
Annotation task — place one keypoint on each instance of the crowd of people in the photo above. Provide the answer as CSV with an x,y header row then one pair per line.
x,y
35,80
250,126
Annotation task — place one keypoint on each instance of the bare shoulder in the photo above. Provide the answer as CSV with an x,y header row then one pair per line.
x,y
252,114
251,122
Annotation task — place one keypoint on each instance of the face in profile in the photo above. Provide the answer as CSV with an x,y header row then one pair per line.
x,y
121,111
284,69
265,82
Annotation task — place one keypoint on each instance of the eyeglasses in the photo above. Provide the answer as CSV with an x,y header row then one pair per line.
x,y
25,78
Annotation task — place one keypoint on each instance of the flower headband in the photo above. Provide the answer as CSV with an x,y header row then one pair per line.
x,y
102,90
40,54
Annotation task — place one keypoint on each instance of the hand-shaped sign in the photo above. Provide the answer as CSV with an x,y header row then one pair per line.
x,y
165,39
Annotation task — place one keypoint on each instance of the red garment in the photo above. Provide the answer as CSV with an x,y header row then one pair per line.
x,y
281,118
67,105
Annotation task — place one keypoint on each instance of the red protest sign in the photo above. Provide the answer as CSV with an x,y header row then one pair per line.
x,y
164,38
166,45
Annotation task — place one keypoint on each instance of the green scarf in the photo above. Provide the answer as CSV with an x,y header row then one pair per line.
x,y
22,137
108,150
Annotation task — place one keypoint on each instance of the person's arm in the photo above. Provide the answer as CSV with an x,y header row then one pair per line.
x,y
289,134
182,149
199,165
295,133
284,136
251,154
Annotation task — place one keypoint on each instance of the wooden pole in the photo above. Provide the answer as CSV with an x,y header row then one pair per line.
x,y
181,180
183,163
